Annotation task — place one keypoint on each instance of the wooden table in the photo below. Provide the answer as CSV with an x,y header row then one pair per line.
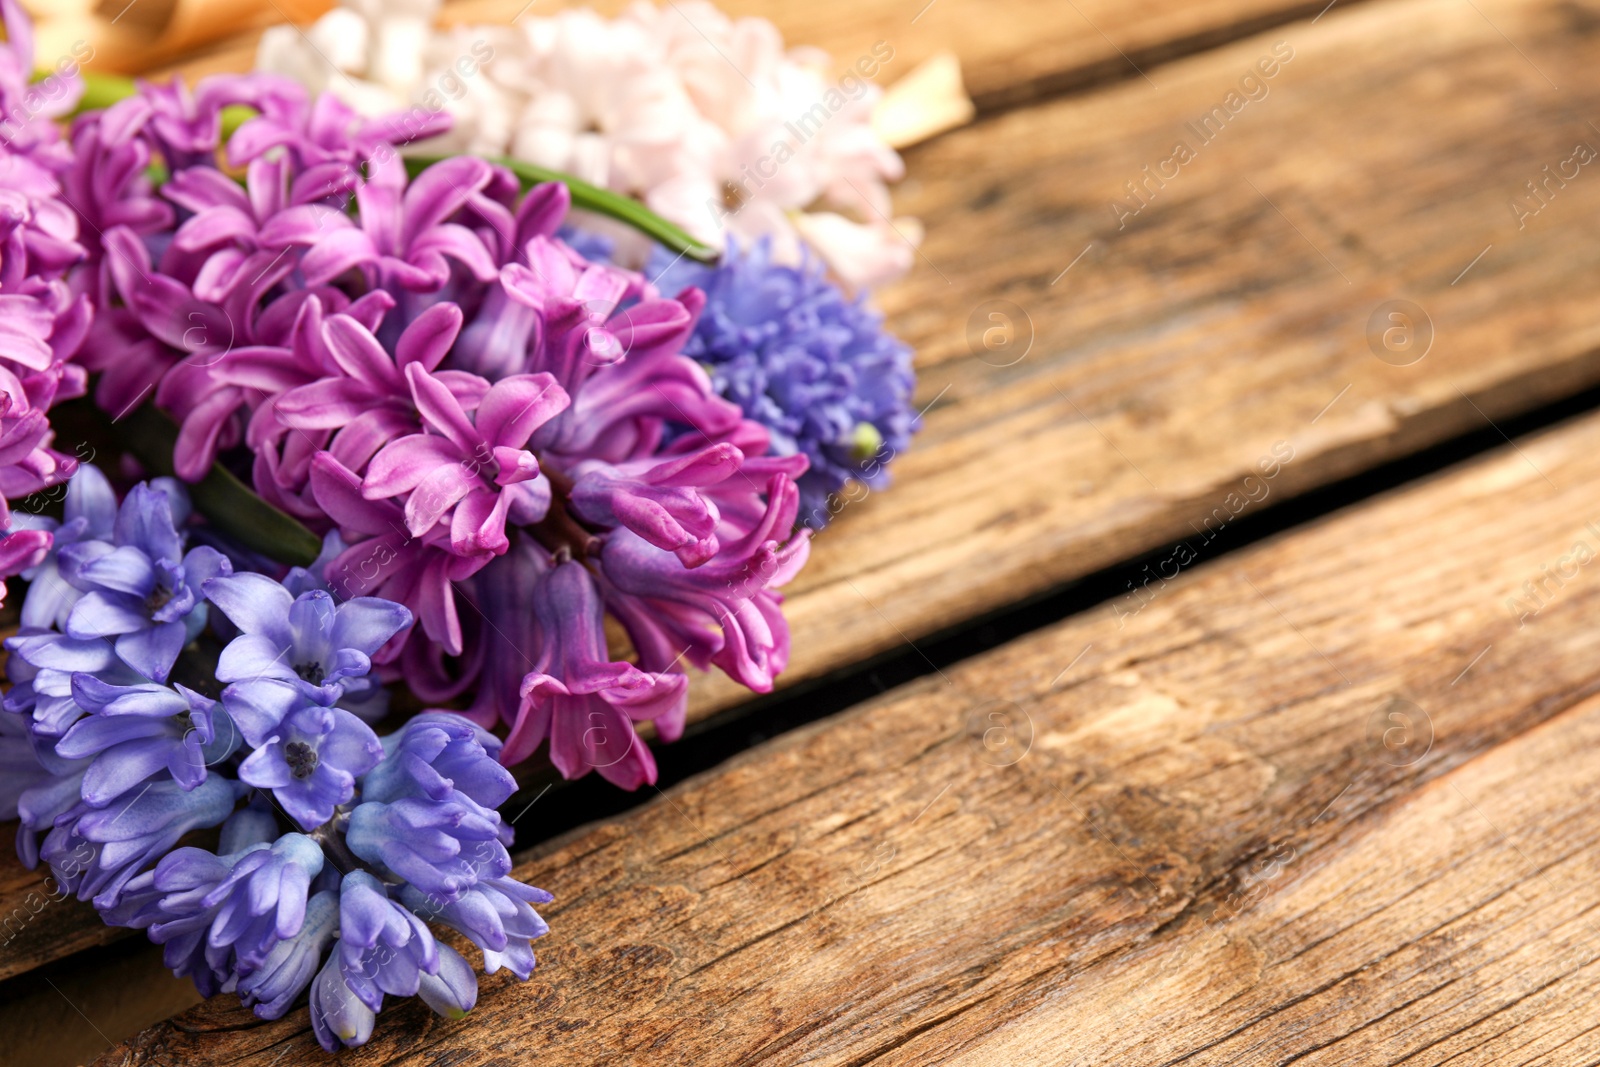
x,y
1328,797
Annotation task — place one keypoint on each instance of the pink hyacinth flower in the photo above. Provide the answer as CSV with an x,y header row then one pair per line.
x,y
580,698
466,467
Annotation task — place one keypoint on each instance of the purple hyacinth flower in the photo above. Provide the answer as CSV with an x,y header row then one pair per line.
x,y
141,589
49,660
496,915
417,366
21,765
311,645
799,356
27,463
625,403
659,500
430,819
342,377
124,837
467,471
384,559
22,550
454,990
263,898
43,317
338,1017
509,641
169,903
135,731
311,762
90,514
724,612
38,808
254,824
399,238
272,987
323,131
585,702
435,755
383,947
441,848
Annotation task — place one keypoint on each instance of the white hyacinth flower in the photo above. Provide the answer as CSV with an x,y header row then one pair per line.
x,y
710,121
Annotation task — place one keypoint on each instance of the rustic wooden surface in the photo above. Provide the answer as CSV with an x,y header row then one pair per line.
x,y
37,923
1205,833
1228,316
72,1011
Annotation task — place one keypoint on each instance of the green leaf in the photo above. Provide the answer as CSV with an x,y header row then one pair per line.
x,y
229,504
593,198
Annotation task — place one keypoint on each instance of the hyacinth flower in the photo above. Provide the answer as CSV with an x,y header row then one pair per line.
x,y
311,760
292,649
89,513
418,824
334,848
124,838
465,471
141,589
43,318
647,104
810,363
134,731
421,369
583,701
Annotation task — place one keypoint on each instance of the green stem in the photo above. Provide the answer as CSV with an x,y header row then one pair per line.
x,y
594,198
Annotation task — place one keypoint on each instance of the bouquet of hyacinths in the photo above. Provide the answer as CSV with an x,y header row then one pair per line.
x,y
384,424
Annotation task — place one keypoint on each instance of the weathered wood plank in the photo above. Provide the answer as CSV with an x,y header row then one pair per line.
x,y
72,1011
1328,799
38,923
1010,53
1461,927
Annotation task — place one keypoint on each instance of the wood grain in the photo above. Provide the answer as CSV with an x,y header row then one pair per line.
x,y
38,923
71,1011
1328,799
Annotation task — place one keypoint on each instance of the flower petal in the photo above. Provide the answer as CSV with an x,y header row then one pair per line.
x,y
253,602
